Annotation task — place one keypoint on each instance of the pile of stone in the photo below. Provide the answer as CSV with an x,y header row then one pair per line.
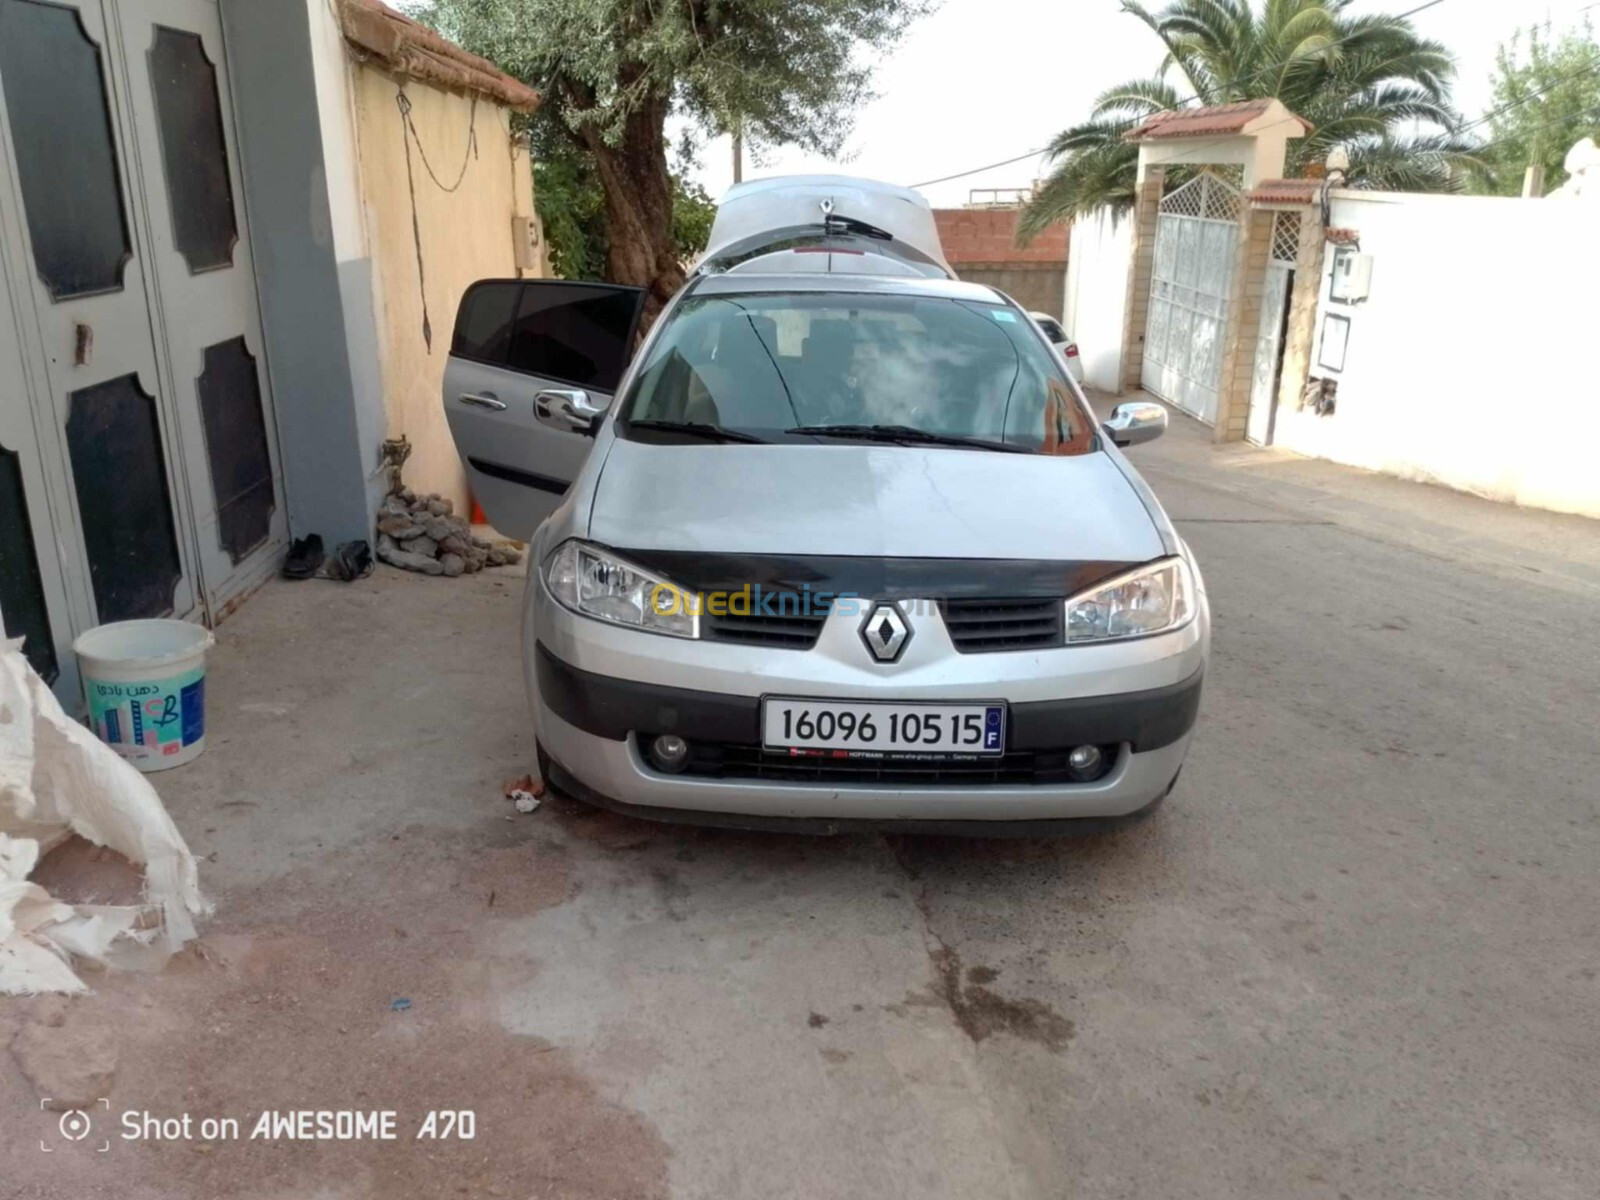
x,y
422,533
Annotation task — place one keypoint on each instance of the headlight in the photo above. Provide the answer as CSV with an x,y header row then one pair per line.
x,y
1153,599
593,582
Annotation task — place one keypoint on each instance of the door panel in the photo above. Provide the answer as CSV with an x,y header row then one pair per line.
x,y
71,191
120,473
513,339
22,595
36,601
63,129
194,153
236,447
1268,353
176,81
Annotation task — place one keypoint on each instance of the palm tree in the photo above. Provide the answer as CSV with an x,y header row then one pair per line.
x,y
1360,82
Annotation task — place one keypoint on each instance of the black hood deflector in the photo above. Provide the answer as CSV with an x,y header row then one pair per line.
x,y
877,578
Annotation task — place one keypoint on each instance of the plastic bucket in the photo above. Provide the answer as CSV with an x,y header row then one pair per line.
x,y
146,685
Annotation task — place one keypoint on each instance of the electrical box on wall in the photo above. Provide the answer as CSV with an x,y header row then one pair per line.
x,y
525,241
1352,276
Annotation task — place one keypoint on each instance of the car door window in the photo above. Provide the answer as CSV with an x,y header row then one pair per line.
x,y
576,334
484,321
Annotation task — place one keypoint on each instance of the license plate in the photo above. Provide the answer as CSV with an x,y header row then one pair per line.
x,y
801,725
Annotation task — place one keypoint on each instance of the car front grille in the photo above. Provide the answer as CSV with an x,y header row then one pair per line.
x,y
976,624
734,760
981,624
792,631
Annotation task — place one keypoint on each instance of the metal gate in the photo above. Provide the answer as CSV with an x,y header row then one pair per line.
x,y
1269,333
1197,233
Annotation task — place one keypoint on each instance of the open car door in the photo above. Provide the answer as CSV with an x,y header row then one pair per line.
x,y
534,365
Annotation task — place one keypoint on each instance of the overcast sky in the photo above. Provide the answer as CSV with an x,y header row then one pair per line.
x,y
985,80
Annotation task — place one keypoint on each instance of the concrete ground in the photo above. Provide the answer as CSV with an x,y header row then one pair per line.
x,y
1357,955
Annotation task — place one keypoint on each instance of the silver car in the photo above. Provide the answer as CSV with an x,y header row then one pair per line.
x,y
842,545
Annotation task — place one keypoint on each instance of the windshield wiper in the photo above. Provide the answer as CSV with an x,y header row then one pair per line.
x,y
711,433
905,435
835,223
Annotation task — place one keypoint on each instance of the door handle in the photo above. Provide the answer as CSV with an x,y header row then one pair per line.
x,y
483,400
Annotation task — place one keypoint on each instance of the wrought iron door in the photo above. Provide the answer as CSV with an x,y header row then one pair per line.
x,y
1197,234
1269,333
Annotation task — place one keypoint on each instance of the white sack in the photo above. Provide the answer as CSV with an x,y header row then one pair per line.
x,y
56,777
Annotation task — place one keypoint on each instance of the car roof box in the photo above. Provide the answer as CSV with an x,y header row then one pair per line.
x,y
764,213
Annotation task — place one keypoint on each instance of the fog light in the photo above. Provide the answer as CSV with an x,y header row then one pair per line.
x,y
669,752
1084,761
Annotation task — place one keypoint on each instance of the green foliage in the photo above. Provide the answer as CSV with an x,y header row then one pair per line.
x,y
611,71
572,207
692,213
1361,81
788,69
1546,97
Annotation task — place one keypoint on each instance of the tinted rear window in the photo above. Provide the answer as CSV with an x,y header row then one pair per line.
x,y
483,326
574,334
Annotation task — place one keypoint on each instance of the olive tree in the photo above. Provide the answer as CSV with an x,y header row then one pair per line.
x,y
1546,97
784,72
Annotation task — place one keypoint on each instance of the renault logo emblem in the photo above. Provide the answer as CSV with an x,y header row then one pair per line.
x,y
885,632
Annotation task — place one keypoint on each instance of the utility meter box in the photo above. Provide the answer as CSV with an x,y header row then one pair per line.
x,y
1352,276
525,241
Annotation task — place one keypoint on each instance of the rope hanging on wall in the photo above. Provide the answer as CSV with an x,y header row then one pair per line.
x,y
408,133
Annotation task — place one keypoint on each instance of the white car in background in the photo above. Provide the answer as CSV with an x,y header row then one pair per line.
x,y
1062,341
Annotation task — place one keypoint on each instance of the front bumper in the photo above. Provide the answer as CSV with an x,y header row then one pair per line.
x,y
597,688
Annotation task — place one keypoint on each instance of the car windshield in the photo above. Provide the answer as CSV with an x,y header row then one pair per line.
x,y
895,369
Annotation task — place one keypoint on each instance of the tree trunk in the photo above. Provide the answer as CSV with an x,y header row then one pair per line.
x,y
638,197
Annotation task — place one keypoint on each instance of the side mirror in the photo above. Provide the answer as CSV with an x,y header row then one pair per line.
x,y
1135,422
570,409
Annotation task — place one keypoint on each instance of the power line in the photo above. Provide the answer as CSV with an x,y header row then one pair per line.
x,y
978,170
1284,120
1410,12
1590,69
1471,124
1588,115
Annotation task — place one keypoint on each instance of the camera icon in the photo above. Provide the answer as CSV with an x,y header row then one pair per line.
x,y
74,1125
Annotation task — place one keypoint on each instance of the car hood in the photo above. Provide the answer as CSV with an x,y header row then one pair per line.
x,y
869,500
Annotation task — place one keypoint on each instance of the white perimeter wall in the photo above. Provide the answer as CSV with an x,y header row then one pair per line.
x,y
1097,289
1475,362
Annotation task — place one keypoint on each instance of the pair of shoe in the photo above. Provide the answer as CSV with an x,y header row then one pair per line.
x,y
306,560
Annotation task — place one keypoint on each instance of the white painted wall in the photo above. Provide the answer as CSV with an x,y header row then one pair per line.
x,y
1473,362
335,111
1097,289
348,233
